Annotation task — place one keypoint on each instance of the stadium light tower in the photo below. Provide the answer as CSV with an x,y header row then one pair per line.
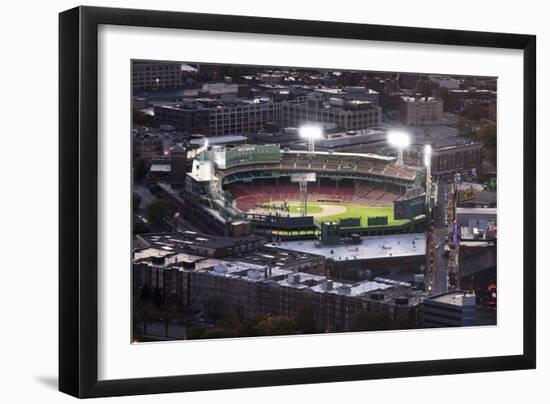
x,y
311,133
204,149
400,140
428,164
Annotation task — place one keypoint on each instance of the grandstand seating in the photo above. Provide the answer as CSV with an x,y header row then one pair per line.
x,y
337,162
363,193
248,196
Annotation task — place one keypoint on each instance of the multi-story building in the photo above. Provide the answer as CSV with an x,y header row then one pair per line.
x,y
273,78
219,118
243,116
161,272
345,114
190,117
451,309
352,93
471,100
356,109
251,289
446,82
421,111
408,81
178,161
155,75
200,244
449,159
147,145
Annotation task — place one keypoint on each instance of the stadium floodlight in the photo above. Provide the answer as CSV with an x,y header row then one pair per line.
x,y
400,140
428,164
311,133
427,155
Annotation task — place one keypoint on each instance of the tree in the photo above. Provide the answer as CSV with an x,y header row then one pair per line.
x,y
365,321
276,325
141,227
217,332
196,332
473,114
488,136
156,210
235,73
203,332
139,118
248,325
465,127
443,93
231,320
141,167
136,202
168,316
145,313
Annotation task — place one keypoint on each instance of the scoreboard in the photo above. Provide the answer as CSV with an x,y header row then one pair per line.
x,y
247,154
252,154
409,208
377,221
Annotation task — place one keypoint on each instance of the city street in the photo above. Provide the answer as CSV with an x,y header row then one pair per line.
x,y
438,279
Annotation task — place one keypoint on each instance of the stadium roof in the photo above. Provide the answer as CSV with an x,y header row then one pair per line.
x,y
324,153
219,140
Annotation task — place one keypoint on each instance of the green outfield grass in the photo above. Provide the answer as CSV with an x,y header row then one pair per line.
x,y
351,211
311,208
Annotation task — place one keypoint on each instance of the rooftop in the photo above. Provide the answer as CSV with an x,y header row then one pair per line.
x,y
188,239
287,278
374,247
218,139
169,256
324,153
456,298
237,268
421,99
276,256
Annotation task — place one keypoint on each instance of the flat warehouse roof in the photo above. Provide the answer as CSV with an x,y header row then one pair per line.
x,y
398,245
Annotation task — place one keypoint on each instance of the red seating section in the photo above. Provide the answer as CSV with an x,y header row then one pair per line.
x,y
247,196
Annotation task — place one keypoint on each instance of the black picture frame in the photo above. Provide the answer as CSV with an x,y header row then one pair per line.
x,y
78,196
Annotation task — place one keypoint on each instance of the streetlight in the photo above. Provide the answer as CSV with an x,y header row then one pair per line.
x,y
400,140
311,133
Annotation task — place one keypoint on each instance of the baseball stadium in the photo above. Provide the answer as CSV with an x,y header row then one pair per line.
x,y
293,194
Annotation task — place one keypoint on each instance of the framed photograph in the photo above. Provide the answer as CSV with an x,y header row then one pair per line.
x,y
251,201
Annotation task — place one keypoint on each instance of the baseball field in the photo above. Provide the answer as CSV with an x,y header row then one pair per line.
x,y
327,211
